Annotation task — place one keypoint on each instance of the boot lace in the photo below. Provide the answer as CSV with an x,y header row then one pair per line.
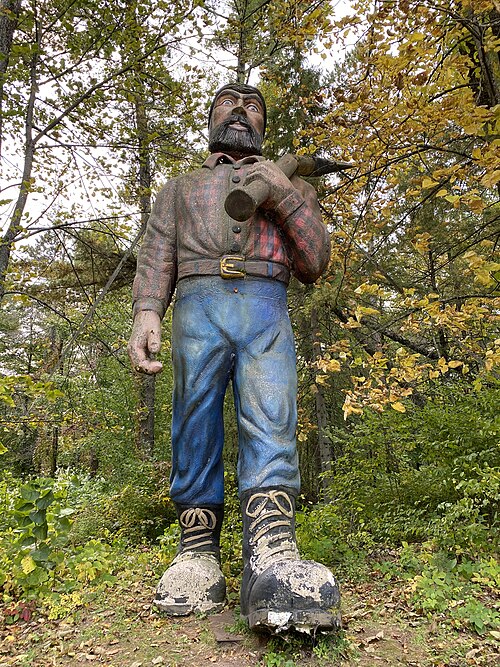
x,y
197,526
270,532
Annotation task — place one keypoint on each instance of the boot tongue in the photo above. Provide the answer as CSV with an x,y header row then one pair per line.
x,y
198,525
271,531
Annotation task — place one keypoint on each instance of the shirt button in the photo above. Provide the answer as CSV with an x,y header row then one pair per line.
x,y
235,247
236,166
236,229
236,179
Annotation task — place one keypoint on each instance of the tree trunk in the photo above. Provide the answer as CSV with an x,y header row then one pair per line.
x,y
9,14
54,451
29,153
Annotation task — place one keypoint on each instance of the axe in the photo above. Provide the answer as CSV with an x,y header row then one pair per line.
x,y
241,203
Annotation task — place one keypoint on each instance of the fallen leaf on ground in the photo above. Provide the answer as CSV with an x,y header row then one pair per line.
x,y
373,638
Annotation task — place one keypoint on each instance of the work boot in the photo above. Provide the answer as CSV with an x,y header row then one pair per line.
x,y
194,581
279,591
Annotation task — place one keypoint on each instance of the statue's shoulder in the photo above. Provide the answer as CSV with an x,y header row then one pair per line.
x,y
197,174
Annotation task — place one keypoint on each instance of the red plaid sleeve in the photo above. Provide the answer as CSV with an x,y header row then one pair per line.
x,y
306,237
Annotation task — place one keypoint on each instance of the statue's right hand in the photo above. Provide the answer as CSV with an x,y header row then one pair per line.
x,y
145,342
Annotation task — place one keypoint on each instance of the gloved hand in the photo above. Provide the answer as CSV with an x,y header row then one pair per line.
x,y
145,342
278,184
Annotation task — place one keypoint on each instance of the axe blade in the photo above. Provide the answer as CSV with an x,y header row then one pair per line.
x,y
313,165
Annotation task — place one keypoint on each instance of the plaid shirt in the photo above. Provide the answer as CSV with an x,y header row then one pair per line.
x,y
188,222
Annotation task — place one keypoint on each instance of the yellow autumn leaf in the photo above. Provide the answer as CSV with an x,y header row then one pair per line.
x,y
334,366
351,410
442,365
398,406
429,183
453,199
455,364
361,311
367,288
28,564
421,242
490,179
476,204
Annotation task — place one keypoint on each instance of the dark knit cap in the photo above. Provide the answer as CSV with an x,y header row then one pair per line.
x,y
245,90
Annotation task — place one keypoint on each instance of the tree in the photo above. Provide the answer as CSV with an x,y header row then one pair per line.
x,y
413,279
63,68
92,75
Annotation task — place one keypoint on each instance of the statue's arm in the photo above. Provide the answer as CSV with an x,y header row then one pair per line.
x,y
297,213
307,237
154,282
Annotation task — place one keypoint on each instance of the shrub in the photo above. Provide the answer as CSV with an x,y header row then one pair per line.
x,y
37,562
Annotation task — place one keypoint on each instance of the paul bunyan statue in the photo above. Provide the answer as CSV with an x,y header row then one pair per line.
x,y
230,322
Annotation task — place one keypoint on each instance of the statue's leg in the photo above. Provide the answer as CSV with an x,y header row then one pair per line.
x,y
278,590
201,362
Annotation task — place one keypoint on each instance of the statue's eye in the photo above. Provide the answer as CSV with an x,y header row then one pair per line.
x,y
227,102
253,107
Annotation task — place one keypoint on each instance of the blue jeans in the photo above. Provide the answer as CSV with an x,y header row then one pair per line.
x,y
239,330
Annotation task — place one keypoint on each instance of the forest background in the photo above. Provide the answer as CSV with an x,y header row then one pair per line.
x,y
398,345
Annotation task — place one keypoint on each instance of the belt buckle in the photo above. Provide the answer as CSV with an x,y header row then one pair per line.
x,y
228,268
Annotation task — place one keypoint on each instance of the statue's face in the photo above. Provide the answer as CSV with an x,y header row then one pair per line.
x,y
237,124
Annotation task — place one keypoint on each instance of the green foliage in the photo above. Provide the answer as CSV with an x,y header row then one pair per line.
x,y
431,472
133,508
290,649
37,561
324,536
441,584
272,659
231,538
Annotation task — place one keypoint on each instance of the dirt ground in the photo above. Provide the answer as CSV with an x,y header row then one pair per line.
x,y
122,630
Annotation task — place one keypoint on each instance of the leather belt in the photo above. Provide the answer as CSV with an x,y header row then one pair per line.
x,y
233,266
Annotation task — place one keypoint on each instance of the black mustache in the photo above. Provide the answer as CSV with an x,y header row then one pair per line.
x,y
235,118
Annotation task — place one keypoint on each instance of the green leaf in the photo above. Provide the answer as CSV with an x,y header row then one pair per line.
x,y
26,508
25,521
41,554
38,517
40,532
44,501
29,493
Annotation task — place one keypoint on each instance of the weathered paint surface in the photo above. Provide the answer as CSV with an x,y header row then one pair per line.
x,y
282,591
193,583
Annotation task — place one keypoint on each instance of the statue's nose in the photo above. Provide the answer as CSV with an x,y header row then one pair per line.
x,y
240,110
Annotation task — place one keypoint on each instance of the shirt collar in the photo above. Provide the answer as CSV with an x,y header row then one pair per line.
x,y
221,158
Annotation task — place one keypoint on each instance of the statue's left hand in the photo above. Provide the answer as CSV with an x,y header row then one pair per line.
x,y
278,184
145,342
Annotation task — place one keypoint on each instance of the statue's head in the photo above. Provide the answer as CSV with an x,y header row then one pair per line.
x,y
237,120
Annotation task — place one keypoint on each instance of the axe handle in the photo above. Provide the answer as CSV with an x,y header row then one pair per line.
x,y
241,203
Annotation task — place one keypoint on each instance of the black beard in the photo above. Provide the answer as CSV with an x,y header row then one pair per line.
x,y
224,139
